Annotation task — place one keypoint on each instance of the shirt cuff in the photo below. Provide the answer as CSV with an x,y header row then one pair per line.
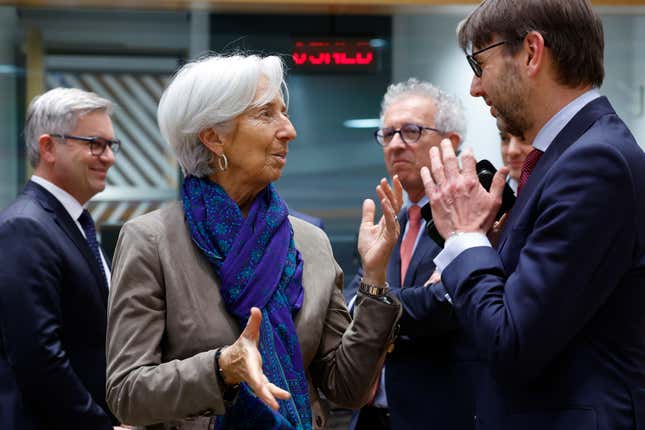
x,y
456,244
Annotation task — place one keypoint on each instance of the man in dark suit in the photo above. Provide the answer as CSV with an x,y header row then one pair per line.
x,y
557,308
54,280
427,376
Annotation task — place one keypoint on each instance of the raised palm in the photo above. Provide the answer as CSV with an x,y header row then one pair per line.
x,y
376,241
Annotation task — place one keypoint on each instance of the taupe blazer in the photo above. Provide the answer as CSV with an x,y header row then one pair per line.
x,y
166,319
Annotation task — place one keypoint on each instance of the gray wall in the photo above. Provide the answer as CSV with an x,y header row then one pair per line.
x,y
9,161
111,31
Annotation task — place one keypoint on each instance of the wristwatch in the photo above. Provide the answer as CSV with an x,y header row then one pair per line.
x,y
230,391
379,292
376,291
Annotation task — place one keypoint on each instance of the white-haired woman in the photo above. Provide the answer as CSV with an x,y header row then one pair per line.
x,y
224,309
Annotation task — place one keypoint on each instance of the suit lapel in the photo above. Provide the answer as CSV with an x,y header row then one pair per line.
x,y
394,266
423,251
578,125
66,223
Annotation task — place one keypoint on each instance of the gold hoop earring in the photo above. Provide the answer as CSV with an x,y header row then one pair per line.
x,y
222,162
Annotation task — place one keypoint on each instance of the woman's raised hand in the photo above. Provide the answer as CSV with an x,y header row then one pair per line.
x,y
376,241
242,362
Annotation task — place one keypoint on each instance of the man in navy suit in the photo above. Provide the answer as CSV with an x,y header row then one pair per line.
x,y
557,307
54,279
427,377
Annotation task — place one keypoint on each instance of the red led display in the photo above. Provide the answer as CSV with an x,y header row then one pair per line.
x,y
333,54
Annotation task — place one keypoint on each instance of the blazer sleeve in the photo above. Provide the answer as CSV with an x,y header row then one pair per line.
x,y
31,286
351,352
427,311
571,260
141,389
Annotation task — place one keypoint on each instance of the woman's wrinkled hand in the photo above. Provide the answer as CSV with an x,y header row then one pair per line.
x,y
242,362
376,241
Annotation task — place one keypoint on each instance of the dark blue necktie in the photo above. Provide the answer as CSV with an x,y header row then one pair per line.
x,y
90,234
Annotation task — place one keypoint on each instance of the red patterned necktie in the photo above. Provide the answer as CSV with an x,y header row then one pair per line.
x,y
407,245
529,164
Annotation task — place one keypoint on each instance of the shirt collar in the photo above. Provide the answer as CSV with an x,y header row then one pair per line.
x,y
421,203
71,205
554,126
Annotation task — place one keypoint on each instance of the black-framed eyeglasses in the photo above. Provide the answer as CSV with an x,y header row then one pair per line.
x,y
474,64
97,144
410,133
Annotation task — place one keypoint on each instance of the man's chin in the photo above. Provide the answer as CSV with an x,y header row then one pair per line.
x,y
409,182
501,124
506,127
99,187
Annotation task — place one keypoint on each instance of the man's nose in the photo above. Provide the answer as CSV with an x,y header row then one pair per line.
x,y
108,156
397,141
475,87
513,147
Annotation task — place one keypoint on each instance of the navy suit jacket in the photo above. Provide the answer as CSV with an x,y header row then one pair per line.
x,y
53,306
428,376
558,309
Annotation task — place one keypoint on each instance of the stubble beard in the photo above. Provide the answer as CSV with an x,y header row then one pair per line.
x,y
513,116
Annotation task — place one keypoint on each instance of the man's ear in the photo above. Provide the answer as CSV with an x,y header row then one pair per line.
x,y
46,148
535,52
455,139
212,140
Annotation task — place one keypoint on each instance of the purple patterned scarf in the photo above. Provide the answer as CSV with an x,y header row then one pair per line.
x,y
258,265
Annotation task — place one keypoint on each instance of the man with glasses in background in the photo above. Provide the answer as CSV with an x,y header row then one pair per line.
x,y
54,279
556,309
426,382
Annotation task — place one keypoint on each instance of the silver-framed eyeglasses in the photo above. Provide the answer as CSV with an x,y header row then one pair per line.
x,y
410,134
97,144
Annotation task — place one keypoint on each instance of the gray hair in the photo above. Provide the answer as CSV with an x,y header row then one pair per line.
x,y
57,112
212,92
450,113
